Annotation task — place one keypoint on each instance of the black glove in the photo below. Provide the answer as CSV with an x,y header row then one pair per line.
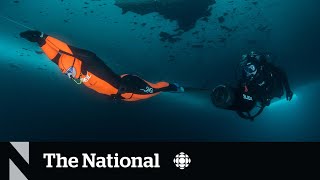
x,y
32,36
265,101
289,95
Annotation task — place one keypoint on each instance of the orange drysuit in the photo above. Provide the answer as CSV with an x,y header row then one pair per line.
x,y
85,67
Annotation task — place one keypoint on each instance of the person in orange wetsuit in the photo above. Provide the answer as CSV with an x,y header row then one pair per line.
x,y
85,67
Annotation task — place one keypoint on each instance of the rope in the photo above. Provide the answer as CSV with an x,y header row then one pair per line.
x,y
16,22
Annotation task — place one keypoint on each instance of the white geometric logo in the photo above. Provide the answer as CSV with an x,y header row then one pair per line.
x,y
182,160
147,90
22,149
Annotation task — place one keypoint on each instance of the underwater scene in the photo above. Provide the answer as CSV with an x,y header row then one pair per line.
x,y
160,70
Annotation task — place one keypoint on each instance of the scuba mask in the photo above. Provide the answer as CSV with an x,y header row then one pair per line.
x,y
250,70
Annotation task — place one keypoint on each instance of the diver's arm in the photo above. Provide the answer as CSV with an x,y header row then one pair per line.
x,y
49,44
284,79
34,36
286,85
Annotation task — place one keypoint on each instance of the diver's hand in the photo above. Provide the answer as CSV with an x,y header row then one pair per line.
x,y
180,89
32,36
289,95
266,102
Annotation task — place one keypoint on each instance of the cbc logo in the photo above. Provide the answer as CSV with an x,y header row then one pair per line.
x,y
182,160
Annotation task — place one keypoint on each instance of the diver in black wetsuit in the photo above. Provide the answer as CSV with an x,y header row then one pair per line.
x,y
262,79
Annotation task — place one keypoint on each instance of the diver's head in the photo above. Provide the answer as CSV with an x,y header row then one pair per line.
x,y
250,56
253,54
250,70
250,65
222,97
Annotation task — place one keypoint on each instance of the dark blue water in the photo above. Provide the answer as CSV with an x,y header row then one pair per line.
x,y
39,103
